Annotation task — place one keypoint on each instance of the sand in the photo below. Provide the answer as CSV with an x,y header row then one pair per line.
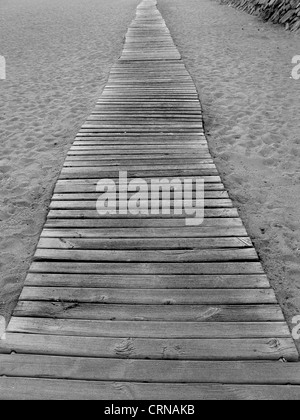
x,y
58,55
242,69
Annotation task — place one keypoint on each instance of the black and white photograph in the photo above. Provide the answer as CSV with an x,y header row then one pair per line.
x,y
149,202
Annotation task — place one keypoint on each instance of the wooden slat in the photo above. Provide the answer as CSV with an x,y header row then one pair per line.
x,y
148,329
94,196
149,281
47,389
146,268
132,163
93,172
76,187
228,211
126,149
64,229
143,244
150,371
154,224
82,214
208,180
131,159
159,256
143,203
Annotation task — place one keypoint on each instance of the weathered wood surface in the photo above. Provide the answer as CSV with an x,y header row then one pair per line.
x,y
124,306
284,12
52,389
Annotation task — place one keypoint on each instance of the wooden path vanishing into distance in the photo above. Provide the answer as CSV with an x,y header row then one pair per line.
x,y
145,307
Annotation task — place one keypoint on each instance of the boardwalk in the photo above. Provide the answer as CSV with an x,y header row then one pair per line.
x,y
144,306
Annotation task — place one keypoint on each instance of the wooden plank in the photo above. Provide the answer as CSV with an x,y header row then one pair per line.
x,y
145,94
95,172
151,109
214,223
142,90
166,139
47,389
110,114
140,127
148,329
79,187
87,150
170,104
183,281
163,138
93,182
139,143
94,196
136,149
150,296
172,222
150,371
154,142
128,160
81,230
159,256
139,130
147,268
150,348
131,120
93,214
143,204
130,163
119,80
143,244
66,230
122,135
121,312
85,165
149,85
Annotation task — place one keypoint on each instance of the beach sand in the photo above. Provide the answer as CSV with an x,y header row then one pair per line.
x,y
242,68
58,57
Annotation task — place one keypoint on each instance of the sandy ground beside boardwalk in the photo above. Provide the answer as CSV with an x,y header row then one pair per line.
x,y
58,54
242,69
